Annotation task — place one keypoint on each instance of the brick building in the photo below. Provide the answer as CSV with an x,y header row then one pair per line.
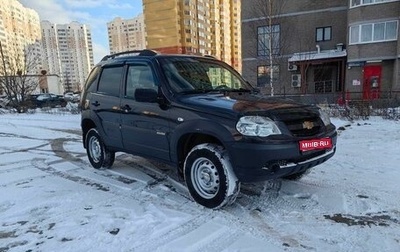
x,y
205,27
322,48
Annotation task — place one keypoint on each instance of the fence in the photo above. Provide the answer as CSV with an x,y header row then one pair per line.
x,y
341,98
352,105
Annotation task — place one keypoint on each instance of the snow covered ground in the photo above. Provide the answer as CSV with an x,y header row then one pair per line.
x,y
52,200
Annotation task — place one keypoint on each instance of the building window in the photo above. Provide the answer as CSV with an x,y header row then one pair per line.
x,y
264,75
268,37
323,80
355,3
323,34
375,32
322,87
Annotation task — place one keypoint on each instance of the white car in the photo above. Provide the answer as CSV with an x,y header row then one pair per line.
x,y
72,97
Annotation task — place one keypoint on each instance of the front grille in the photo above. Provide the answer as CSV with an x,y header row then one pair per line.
x,y
304,127
300,121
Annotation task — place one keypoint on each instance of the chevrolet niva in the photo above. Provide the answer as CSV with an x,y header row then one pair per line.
x,y
199,115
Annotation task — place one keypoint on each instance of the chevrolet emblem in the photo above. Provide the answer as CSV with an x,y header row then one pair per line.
x,y
308,125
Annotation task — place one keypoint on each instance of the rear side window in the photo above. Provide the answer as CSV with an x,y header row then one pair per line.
x,y
92,79
110,80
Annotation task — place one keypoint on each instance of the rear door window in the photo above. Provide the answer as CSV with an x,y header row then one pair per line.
x,y
110,80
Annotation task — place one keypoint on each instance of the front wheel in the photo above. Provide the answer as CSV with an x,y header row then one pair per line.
x,y
98,154
209,176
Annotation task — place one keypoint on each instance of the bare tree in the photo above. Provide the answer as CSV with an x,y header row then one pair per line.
x,y
267,30
303,59
16,79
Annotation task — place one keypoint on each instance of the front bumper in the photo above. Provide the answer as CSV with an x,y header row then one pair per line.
x,y
254,162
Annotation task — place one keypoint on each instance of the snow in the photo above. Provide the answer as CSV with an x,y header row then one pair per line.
x,y
52,200
315,55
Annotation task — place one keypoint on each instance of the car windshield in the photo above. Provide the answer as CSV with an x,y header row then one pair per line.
x,y
197,75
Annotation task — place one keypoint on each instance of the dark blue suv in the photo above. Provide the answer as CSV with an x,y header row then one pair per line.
x,y
199,115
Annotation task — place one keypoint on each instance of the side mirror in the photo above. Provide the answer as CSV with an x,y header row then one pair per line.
x,y
146,95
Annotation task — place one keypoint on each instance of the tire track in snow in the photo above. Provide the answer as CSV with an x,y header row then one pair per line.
x,y
159,178
57,145
41,165
248,213
166,178
176,233
252,198
191,225
258,225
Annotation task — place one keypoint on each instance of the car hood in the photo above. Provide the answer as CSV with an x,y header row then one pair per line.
x,y
235,104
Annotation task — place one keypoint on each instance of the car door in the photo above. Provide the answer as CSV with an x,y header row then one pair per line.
x,y
105,103
144,125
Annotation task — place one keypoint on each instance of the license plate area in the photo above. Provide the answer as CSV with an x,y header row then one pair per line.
x,y
315,144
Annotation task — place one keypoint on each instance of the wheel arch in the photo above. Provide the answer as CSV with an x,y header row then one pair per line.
x,y
195,133
86,125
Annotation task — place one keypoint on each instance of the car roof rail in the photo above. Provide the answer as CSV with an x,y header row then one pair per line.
x,y
145,52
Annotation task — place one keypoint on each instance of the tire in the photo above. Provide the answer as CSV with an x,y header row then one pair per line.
x,y
209,176
97,152
297,176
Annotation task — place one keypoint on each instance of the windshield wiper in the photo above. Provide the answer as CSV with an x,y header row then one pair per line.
x,y
222,90
197,91
238,90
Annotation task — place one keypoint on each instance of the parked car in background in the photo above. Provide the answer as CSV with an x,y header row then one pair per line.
x,y
72,97
46,100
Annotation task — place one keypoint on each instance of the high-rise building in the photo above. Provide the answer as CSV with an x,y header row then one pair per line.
x,y
68,52
226,31
206,27
19,35
126,34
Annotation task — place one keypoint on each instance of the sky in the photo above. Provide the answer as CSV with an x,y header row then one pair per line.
x,y
95,13
51,199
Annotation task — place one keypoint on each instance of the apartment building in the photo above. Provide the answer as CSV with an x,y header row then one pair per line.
x,y
373,47
330,49
126,34
205,27
67,52
19,35
294,47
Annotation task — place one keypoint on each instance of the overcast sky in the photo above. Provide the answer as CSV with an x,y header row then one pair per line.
x,y
95,13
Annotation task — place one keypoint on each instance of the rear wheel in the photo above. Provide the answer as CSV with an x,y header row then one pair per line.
x,y
97,152
209,176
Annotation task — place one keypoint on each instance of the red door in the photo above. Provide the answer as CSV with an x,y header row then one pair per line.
x,y
372,82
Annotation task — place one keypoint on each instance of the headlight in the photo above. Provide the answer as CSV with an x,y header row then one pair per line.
x,y
324,117
257,126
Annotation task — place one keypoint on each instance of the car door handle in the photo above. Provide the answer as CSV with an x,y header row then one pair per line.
x,y
96,103
126,108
